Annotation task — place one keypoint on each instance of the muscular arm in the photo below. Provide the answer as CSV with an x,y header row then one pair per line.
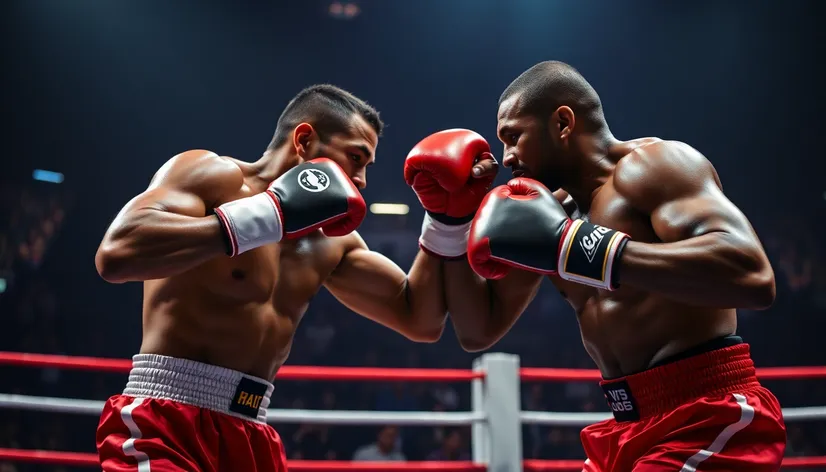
x,y
166,230
482,311
375,287
709,253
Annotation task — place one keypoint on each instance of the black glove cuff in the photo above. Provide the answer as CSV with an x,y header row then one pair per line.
x,y
590,254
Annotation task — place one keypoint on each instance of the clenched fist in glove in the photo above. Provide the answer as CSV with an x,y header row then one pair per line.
x,y
316,194
522,225
450,171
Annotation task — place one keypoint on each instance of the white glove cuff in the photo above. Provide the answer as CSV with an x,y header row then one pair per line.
x,y
448,241
251,222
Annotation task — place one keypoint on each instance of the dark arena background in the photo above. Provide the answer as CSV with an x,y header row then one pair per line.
x,y
97,94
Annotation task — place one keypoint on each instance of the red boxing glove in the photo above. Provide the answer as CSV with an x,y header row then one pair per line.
x,y
439,168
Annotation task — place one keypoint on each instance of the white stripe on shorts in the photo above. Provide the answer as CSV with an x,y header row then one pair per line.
x,y
135,432
746,416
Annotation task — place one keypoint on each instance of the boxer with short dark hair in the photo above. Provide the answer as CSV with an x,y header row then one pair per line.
x,y
640,239
230,254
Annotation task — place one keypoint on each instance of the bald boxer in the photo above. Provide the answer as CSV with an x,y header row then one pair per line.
x,y
640,239
230,254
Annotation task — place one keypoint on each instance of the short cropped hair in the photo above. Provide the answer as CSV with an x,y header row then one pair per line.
x,y
328,109
551,84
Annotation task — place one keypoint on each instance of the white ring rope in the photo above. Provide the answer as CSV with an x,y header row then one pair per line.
x,y
807,413
561,418
811,413
402,418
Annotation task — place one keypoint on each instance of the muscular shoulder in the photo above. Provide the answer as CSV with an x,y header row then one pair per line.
x,y
200,172
663,171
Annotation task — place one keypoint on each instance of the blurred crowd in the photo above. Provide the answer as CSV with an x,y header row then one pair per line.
x,y
28,222
787,334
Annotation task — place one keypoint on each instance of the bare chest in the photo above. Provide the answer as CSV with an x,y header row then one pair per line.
x,y
286,274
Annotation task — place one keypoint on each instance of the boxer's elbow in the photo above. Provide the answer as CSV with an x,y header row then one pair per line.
x,y
112,263
479,331
426,335
476,343
760,288
757,279
477,340
745,270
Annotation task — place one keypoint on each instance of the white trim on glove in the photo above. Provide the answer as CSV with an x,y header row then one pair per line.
x,y
251,222
449,241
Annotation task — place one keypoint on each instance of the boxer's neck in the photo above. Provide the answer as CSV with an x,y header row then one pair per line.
x,y
594,166
274,162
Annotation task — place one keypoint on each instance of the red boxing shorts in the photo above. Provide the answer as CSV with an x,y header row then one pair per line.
x,y
182,415
706,412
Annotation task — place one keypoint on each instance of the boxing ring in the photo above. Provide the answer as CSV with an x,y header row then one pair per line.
x,y
496,416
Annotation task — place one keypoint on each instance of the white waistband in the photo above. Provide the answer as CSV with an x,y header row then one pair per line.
x,y
198,384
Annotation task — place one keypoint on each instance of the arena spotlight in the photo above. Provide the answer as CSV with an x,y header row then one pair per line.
x,y
343,10
389,209
47,176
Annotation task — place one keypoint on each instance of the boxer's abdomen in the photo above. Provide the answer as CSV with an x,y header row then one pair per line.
x,y
240,313
625,335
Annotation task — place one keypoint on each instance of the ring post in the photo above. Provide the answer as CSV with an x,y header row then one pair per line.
x,y
498,441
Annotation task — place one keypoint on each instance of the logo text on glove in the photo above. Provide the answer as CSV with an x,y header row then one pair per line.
x,y
590,243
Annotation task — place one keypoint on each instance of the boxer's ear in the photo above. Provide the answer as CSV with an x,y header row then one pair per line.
x,y
304,138
564,121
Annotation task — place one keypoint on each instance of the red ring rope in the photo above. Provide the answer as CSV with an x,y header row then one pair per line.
x,y
86,459
543,465
285,373
528,374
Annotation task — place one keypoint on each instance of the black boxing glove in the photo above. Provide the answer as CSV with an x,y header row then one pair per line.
x,y
315,194
522,225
